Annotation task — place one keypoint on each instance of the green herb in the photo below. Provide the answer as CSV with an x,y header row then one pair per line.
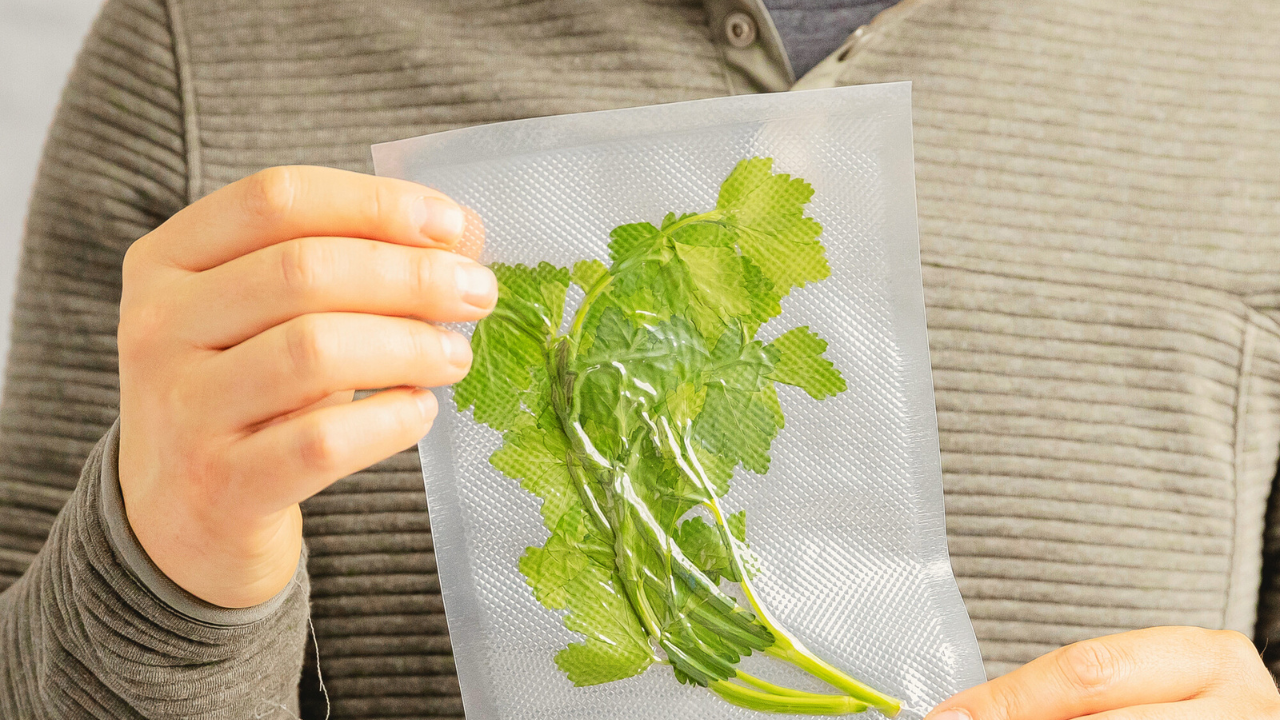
x,y
629,426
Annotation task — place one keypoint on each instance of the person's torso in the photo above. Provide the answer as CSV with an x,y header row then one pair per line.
x,y
1099,268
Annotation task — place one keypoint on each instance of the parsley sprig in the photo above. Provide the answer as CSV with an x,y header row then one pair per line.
x,y
630,425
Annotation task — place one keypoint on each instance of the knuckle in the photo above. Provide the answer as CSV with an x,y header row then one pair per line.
x,y
384,265
1236,651
1237,643
131,267
140,326
421,282
418,342
1241,670
1003,702
272,193
383,203
305,267
319,446
1091,666
305,346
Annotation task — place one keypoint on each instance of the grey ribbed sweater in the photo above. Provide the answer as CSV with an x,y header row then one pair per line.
x,y
1097,197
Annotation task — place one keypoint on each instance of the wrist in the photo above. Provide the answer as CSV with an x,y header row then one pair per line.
x,y
230,563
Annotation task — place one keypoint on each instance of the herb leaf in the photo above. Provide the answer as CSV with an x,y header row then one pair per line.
x,y
768,212
586,273
508,347
800,363
564,577
536,458
702,544
636,418
741,415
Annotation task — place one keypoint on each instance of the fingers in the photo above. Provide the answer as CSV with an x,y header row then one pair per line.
x,y
283,203
311,357
1159,665
230,303
298,458
1205,709
339,398
472,242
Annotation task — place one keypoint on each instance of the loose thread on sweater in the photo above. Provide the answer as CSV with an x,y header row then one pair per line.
x,y
328,707
319,673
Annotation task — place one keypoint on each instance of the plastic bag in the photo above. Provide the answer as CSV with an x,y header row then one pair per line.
x,y
589,539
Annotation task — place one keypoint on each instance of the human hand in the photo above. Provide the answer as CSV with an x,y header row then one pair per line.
x,y
247,320
1165,673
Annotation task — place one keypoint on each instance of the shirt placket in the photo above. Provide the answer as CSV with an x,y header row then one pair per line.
x,y
757,60
752,47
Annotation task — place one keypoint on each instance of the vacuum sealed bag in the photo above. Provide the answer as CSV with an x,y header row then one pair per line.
x,y
694,470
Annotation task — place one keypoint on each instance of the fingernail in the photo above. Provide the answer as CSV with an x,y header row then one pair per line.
x,y
456,349
427,404
439,219
950,715
476,285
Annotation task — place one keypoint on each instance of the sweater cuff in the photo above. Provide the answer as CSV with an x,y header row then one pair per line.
x,y
94,629
135,560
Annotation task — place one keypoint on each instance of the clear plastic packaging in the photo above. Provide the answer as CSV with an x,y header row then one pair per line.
x,y
710,310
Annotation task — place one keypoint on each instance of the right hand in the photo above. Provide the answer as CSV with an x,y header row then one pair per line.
x,y
247,321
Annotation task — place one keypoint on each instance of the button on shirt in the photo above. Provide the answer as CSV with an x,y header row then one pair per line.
x,y
776,45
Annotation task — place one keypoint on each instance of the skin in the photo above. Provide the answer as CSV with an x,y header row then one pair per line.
x,y
247,321
1163,673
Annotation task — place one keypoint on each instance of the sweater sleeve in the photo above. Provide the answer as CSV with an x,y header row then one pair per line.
x,y
88,626
86,633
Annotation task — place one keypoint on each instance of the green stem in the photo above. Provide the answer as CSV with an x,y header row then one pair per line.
x,y
769,687
709,216
635,588
580,317
787,647
810,704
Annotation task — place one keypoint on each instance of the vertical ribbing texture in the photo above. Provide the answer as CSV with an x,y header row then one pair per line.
x,y
113,169
80,636
1097,194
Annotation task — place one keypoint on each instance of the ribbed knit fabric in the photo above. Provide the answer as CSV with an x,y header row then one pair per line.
x,y
113,169
1097,194
82,636
1099,199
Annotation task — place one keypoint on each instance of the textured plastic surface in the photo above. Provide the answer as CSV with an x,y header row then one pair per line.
x,y
848,521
